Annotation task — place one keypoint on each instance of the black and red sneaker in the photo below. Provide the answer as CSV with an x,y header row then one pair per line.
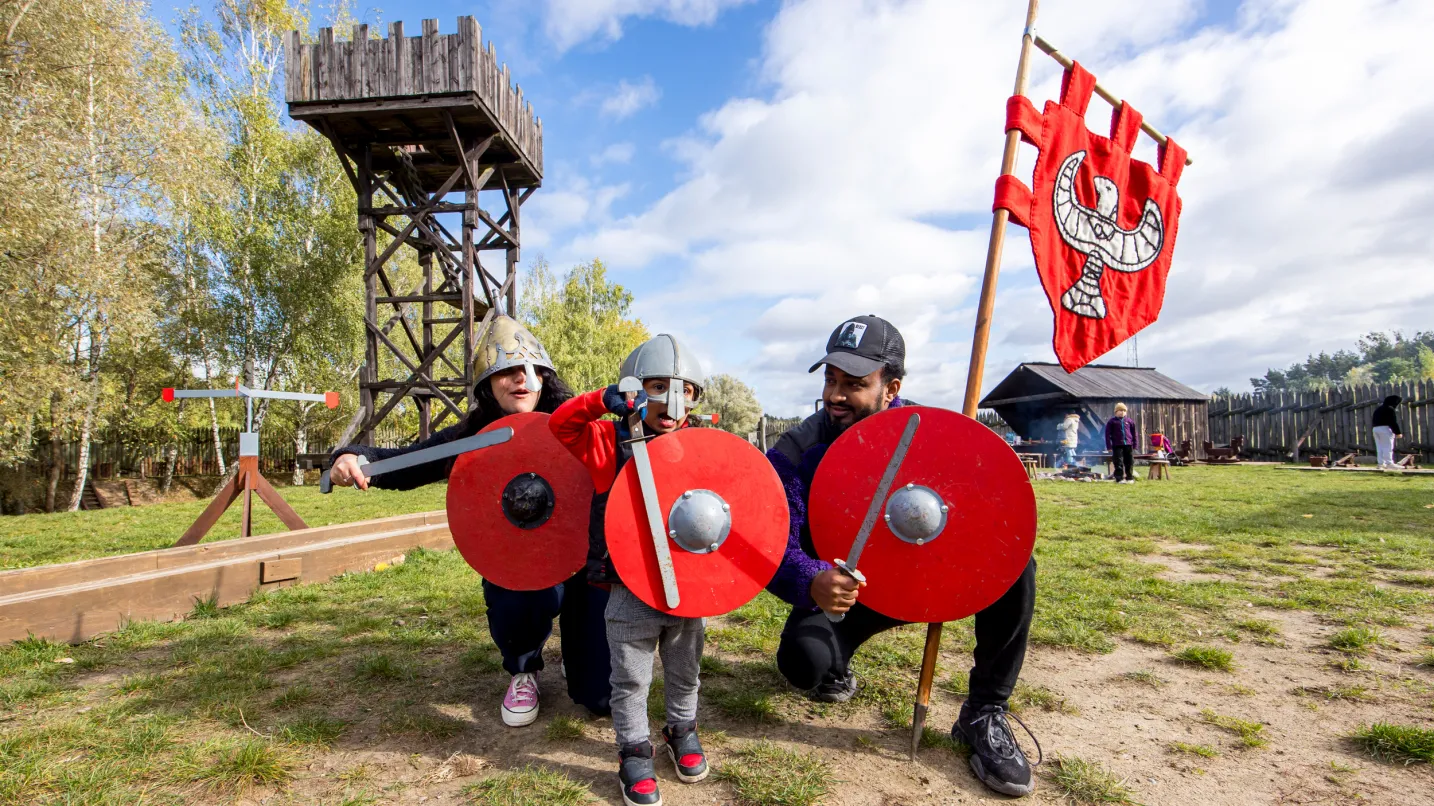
x,y
635,773
686,752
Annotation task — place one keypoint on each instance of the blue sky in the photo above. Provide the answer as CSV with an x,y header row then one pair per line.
x,y
758,171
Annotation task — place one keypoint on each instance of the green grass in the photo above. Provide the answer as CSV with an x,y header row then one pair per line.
x,y
1207,656
1252,734
319,731
767,774
1355,640
1203,751
531,786
1403,744
1145,678
1084,781
564,729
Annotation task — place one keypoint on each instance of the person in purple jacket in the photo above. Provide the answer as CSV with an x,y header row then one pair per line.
x,y
1120,441
864,367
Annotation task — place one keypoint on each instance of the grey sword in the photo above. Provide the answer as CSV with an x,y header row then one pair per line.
x,y
873,511
486,439
649,499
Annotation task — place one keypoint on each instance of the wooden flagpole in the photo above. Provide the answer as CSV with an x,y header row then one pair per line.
x,y
978,355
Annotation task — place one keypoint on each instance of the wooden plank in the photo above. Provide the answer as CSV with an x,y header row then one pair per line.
x,y
431,42
324,53
21,580
402,61
279,570
358,67
75,613
455,62
292,46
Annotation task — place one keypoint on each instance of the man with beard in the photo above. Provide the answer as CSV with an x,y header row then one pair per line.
x,y
864,367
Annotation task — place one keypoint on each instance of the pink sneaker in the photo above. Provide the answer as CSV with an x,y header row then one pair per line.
x,y
520,704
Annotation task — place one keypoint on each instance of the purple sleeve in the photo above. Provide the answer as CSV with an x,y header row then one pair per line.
x,y
793,581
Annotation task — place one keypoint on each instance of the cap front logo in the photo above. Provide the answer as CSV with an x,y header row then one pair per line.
x,y
850,335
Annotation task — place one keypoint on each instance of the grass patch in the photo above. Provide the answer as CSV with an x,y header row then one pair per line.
x,y
564,729
1403,744
1260,627
1252,734
766,774
381,668
1025,697
1355,640
1208,657
1425,661
1088,782
1351,693
317,731
235,765
531,786
754,704
1203,751
1145,678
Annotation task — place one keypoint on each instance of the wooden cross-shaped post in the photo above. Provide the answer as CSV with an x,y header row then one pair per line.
x,y
248,480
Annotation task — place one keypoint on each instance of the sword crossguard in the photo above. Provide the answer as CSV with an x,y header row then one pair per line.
x,y
854,574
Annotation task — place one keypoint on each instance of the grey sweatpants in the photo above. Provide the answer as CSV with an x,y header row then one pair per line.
x,y
635,632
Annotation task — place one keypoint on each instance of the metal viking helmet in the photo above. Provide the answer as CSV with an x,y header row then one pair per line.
x,y
663,356
508,344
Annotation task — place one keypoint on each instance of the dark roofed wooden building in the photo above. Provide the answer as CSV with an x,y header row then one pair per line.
x,y
1035,397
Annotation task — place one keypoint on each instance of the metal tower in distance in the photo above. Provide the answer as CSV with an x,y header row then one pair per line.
x,y
416,121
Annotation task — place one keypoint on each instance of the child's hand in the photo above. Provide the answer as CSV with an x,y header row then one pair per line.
x,y
617,403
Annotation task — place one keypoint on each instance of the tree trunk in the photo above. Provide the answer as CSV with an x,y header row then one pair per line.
x,y
57,455
218,443
83,461
301,446
171,453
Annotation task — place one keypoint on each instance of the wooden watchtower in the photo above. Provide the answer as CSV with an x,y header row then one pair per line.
x,y
416,121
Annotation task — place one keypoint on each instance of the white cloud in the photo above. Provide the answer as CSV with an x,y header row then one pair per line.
x,y
615,154
862,183
569,22
627,98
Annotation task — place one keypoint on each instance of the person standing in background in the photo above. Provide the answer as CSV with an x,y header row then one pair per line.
x,y
1120,442
1069,430
1386,430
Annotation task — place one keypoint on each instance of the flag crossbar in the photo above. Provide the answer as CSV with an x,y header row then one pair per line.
x,y
1066,62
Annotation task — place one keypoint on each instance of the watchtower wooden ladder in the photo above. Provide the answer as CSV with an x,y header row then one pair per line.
x,y
419,123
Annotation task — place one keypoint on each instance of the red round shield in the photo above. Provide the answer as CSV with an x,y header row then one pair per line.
x,y
518,510
703,461
989,526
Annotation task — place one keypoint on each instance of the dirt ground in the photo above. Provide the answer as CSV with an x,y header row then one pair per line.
x,y
1126,725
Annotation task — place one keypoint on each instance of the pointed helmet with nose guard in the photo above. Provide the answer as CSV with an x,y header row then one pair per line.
x,y
663,356
508,344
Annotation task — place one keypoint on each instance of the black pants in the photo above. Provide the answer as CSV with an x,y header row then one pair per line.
x,y
815,650
1122,462
521,622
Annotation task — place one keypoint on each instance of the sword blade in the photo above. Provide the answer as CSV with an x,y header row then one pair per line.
x,y
654,521
438,452
873,511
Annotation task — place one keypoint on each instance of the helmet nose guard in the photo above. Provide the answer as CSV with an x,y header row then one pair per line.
x,y
663,356
508,344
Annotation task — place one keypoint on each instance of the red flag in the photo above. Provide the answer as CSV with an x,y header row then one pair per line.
x,y
1102,224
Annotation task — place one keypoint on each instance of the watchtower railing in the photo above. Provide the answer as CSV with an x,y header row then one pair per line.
x,y
402,66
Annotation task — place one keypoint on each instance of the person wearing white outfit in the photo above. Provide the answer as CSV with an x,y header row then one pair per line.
x,y
1386,430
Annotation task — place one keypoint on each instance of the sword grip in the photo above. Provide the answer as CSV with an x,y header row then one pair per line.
x,y
841,565
326,484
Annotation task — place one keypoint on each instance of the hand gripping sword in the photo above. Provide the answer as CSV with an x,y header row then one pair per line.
x,y
631,386
449,449
873,510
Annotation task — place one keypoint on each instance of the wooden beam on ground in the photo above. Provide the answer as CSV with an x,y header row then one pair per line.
x,y
74,602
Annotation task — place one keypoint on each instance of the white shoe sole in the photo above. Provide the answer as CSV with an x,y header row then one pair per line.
x,y
686,779
518,719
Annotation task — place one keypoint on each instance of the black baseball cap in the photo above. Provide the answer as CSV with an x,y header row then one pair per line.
x,y
864,344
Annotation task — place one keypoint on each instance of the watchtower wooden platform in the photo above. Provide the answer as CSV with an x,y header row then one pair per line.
x,y
415,121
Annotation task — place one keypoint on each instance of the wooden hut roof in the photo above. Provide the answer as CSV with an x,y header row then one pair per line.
x,y
1041,381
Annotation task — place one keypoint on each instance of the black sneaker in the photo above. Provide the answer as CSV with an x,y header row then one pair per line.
x,y
635,773
996,758
686,752
839,690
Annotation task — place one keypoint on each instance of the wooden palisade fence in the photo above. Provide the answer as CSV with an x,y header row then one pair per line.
x,y
1336,420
